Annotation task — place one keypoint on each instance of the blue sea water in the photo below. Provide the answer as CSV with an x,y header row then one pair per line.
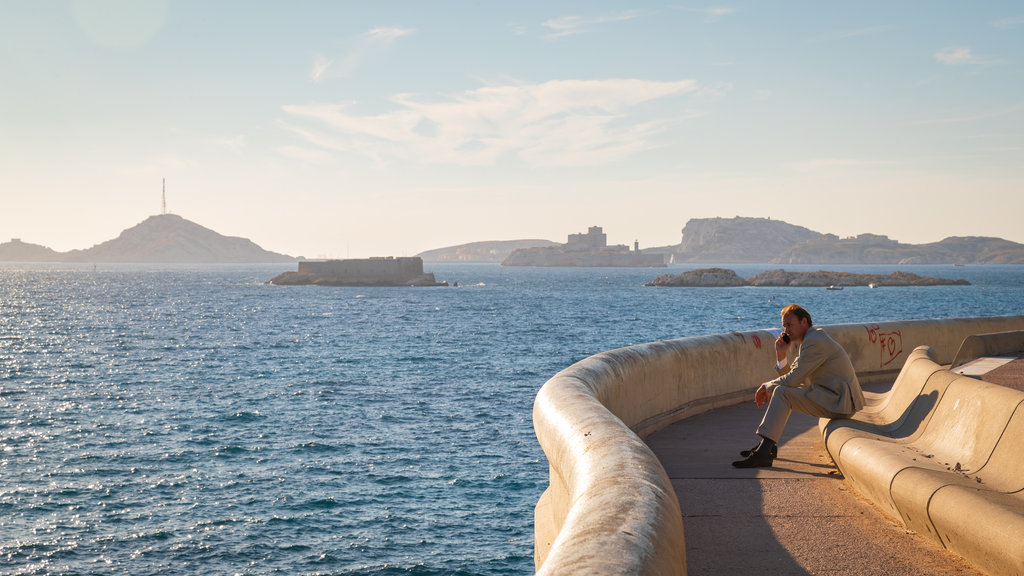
x,y
187,419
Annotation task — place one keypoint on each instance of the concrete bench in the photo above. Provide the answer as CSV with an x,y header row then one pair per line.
x,y
944,454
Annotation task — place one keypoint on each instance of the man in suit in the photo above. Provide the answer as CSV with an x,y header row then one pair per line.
x,y
820,382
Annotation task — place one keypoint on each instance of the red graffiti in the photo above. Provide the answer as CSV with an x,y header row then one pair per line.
x,y
757,341
891,343
740,336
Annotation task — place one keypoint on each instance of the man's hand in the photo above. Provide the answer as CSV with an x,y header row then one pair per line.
x,y
762,395
781,347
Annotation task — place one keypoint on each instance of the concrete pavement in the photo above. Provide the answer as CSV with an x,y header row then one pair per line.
x,y
798,517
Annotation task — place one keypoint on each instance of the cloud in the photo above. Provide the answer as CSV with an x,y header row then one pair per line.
x,y
560,122
234,144
956,56
1008,22
306,155
120,23
320,67
569,25
364,46
976,117
818,164
963,56
711,14
833,35
858,32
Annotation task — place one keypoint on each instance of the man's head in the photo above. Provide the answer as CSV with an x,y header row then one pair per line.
x,y
796,321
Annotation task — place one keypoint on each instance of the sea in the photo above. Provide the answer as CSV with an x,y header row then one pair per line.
x,y
159,419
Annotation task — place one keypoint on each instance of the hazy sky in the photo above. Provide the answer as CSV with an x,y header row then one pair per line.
x,y
388,128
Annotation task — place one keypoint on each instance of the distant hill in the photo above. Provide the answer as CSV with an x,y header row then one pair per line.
x,y
874,249
18,251
757,240
487,251
739,239
167,238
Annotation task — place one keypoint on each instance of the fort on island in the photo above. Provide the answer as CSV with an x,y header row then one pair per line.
x,y
378,271
586,250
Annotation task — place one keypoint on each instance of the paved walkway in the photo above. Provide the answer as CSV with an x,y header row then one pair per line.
x,y
798,517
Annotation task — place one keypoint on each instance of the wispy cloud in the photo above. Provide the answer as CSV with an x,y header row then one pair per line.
x,y
962,56
560,122
832,35
364,46
570,25
305,155
956,56
234,144
711,13
869,31
320,67
1010,22
975,117
818,164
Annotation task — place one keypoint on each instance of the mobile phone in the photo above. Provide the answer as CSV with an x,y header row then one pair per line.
x,y
785,338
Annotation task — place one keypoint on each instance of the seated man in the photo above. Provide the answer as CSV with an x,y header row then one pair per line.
x,y
820,382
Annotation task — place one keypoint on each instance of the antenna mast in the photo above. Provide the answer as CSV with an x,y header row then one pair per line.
x,y
164,206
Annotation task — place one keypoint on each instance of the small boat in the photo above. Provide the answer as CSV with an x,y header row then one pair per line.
x,y
872,285
834,287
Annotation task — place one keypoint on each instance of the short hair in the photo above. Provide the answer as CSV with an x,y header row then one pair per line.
x,y
799,312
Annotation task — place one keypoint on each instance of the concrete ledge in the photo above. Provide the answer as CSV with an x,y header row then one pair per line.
x,y
948,466
609,507
981,345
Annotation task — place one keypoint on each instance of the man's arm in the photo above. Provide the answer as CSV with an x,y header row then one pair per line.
x,y
764,391
812,355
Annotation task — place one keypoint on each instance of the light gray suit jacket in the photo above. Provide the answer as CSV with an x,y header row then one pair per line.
x,y
823,367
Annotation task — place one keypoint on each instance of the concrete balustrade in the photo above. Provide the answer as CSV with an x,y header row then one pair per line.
x,y
610,507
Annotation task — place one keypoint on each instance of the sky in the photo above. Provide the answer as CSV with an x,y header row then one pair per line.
x,y
355,129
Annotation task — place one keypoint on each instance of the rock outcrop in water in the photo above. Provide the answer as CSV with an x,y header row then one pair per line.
x,y
698,278
829,278
723,277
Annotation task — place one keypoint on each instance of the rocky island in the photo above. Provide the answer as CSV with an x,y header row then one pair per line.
x,y
722,277
387,271
756,240
163,239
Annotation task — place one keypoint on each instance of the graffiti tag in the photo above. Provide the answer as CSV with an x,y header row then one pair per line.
x,y
890,343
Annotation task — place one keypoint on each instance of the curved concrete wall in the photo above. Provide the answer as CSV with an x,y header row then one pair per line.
x,y
609,507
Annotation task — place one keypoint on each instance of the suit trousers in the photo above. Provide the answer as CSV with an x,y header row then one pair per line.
x,y
784,400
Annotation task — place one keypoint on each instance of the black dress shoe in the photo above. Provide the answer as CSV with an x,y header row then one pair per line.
x,y
755,460
760,457
775,451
